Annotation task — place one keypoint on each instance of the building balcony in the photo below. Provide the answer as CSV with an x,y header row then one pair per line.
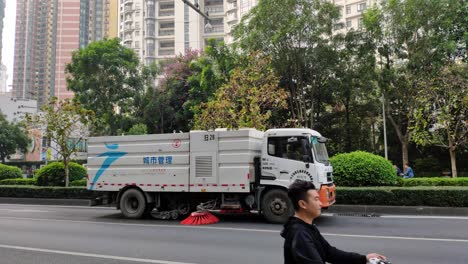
x,y
166,12
166,32
213,2
128,2
215,30
128,40
231,18
231,7
128,29
128,10
214,9
166,52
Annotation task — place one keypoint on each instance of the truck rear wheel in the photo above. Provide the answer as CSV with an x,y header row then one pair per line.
x,y
133,203
277,206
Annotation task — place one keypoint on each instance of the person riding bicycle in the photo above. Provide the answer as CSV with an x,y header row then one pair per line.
x,y
303,242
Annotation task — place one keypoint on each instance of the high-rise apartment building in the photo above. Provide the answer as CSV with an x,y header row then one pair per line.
x,y
351,13
98,19
67,32
3,79
2,15
46,34
30,78
161,29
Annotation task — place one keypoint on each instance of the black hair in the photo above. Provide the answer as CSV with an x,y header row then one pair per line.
x,y
298,191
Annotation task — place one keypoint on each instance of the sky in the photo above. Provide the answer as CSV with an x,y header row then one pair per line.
x,y
8,41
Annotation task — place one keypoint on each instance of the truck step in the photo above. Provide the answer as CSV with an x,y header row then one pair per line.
x,y
231,206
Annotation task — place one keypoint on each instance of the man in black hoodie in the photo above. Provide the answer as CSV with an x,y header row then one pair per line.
x,y
303,242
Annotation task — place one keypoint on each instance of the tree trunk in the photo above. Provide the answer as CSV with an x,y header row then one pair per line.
x,y
404,139
348,127
67,172
453,158
404,151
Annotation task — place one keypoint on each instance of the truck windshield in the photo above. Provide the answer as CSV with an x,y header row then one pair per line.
x,y
319,149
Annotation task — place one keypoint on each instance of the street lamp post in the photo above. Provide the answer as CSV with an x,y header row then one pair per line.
x,y
384,127
197,9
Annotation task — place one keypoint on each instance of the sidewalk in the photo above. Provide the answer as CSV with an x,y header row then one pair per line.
x,y
360,210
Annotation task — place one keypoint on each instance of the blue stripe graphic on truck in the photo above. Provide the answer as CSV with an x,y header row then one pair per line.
x,y
112,156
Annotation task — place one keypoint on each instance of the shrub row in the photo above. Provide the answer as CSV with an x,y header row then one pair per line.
x,y
81,182
361,168
436,181
9,172
18,181
54,174
46,192
444,196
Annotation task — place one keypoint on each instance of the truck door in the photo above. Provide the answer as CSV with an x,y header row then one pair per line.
x,y
288,158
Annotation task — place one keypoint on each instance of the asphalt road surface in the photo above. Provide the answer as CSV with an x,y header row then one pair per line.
x,y
41,234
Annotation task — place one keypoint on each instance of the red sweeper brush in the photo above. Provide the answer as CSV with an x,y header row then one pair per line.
x,y
200,218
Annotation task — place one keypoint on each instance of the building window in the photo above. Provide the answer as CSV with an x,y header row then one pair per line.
x,y
348,23
361,7
339,26
348,10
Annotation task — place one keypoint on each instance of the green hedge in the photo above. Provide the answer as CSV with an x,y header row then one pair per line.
x,y
444,196
9,172
436,181
361,168
81,182
18,181
54,174
46,192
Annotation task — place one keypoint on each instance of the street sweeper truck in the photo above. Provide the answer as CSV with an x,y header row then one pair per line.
x,y
244,170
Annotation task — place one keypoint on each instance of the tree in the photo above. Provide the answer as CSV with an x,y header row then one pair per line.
x,y
66,124
12,138
354,96
138,129
106,78
247,100
298,36
414,39
441,118
188,81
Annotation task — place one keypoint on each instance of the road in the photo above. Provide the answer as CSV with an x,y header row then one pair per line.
x,y
42,234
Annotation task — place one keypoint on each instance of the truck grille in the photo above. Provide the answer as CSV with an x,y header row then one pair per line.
x,y
203,166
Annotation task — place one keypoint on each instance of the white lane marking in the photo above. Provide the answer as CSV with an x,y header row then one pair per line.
x,y
92,255
398,237
424,217
23,210
323,214
236,229
61,206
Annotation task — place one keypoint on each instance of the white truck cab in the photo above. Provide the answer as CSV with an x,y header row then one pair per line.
x,y
289,154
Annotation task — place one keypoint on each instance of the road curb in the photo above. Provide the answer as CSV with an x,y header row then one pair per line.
x,y
397,210
338,209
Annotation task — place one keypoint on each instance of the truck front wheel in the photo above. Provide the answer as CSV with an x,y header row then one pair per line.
x,y
277,206
133,203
